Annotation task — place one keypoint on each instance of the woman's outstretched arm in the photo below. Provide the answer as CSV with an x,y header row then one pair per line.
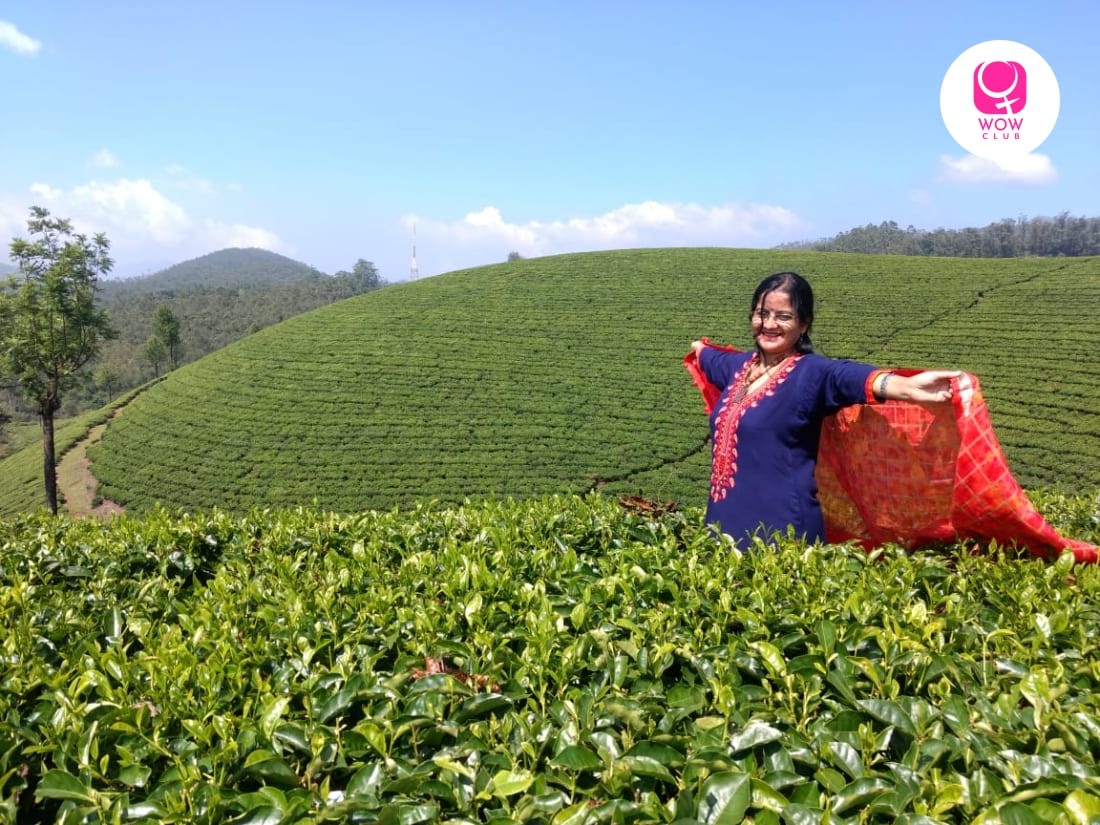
x,y
928,387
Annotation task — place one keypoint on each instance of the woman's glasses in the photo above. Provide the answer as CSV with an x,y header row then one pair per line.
x,y
782,318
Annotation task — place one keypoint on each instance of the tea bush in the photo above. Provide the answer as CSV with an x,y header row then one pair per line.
x,y
561,660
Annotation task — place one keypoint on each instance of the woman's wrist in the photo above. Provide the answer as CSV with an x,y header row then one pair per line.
x,y
880,385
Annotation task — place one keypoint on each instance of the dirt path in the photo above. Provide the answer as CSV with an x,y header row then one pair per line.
x,y
76,485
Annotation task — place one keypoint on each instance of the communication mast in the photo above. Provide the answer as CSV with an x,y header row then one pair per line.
x,y
414,270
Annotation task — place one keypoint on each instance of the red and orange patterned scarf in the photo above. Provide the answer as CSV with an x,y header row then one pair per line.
x,y
914,475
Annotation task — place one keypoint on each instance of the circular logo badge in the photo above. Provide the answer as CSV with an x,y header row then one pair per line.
x,y
999,100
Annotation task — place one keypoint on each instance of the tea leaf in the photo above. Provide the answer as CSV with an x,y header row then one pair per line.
x,y
58,784
725,798
577,758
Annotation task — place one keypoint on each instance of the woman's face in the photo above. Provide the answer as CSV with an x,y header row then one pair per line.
x,y
775,326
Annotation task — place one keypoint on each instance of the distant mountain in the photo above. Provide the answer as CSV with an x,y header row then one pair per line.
x,y
7,269
226,268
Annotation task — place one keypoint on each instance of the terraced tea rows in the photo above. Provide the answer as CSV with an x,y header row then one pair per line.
x,y
1031,344
565,374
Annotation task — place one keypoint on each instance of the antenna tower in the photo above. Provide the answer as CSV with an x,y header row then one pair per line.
x,y
414,270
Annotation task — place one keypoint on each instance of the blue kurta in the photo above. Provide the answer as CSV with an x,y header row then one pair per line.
x,y
765,445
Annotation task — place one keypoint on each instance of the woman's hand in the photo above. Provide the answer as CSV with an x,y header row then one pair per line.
x,y
928,387
697,347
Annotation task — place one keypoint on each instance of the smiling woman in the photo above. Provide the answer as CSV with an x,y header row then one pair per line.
x,y
766,424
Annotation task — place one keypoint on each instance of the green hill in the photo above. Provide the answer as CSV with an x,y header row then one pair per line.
x,y
210,317
216,299
224,268
564,374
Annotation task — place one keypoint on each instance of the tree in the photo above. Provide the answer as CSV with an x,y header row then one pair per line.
x,y
50,326
364,275
166,329
156,353
107,378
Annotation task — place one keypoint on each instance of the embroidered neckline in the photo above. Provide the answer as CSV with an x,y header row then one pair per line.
x,y
737,401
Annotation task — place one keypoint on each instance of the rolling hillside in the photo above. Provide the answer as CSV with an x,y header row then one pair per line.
x,y
565,374
225,268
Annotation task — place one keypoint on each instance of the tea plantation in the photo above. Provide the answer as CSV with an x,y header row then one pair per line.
x,y
557,661
564,374
383,563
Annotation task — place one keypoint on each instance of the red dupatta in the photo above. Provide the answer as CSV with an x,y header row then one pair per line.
x,y
915,474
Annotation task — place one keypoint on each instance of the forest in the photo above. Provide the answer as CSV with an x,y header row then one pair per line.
x,y
1062,235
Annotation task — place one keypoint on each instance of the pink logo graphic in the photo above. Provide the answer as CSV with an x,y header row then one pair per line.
x,y
1000,87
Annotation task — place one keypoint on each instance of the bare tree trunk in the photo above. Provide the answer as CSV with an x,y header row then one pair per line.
x,y
49,459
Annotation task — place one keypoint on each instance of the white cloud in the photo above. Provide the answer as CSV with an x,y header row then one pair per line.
x,y
188,181
1033,169
647,224
135,206
13,224
45,191
142,224
223,236
15,40
105,159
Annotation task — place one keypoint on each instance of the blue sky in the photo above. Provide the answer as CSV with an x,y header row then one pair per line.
x,y
326,131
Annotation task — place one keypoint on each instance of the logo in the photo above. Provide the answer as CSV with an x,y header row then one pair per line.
x,y
1008,78
999,100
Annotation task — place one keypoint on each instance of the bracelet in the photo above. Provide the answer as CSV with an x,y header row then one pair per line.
x,y
882,386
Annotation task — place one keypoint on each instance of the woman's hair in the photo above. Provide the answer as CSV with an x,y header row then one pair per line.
x,y
801,295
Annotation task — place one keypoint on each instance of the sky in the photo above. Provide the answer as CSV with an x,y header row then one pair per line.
x,y
341,130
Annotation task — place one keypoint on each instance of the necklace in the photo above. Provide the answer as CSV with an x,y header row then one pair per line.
x,y
758,368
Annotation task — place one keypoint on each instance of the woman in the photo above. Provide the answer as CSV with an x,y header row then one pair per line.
x,y
766,425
